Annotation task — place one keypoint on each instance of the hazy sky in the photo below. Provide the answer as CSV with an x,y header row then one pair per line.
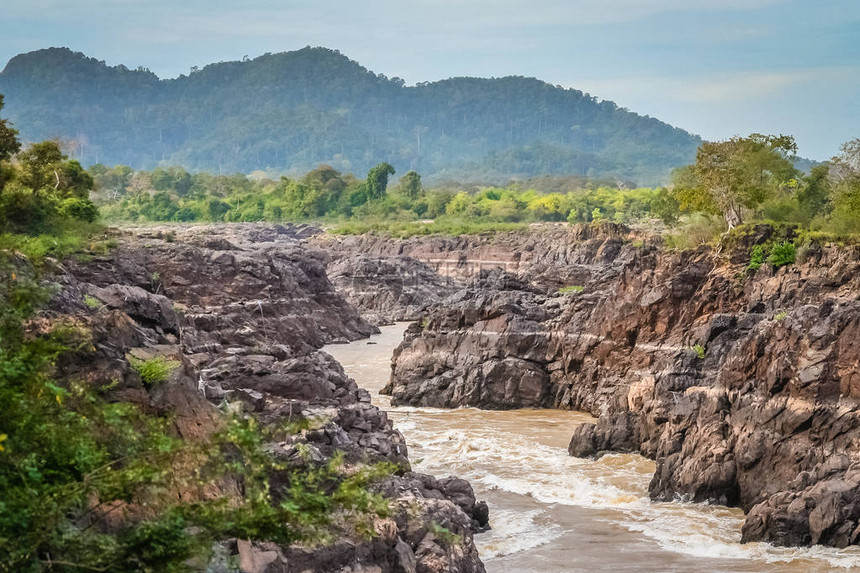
x,y
713,67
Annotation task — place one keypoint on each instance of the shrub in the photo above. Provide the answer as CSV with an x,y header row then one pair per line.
x,y
571,288
696,230
155,370
782,254
80,209
91,301
756,258
700,351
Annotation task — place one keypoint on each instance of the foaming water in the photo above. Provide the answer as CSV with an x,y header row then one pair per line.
x,y
554,513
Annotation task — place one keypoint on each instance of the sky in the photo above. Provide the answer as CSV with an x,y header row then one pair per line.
x,y
716,68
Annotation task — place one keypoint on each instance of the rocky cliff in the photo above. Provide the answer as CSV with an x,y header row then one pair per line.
x,y
741,384
243,309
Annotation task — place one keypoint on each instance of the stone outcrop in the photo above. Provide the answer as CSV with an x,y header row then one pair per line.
x,y
741,385
243,310
387,290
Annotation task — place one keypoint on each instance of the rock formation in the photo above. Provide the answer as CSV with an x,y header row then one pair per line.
x,y
243,310
741,384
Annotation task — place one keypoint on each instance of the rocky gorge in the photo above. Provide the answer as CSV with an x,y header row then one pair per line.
x,y
242,310
741,384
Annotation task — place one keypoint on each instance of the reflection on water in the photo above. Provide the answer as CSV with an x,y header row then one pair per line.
x,y
554,513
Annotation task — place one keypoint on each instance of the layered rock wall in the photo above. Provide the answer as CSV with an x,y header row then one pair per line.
x,y
741,385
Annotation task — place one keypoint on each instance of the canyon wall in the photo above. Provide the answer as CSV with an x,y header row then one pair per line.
x,y
741,384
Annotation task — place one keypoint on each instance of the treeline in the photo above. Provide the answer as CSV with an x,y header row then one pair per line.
x,y
324,194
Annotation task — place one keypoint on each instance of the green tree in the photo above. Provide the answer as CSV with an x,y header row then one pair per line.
x,y
9,144
41,165
410,185
735,174
814,194
844,175
377,180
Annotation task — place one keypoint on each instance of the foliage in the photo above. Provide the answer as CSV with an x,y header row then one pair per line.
x,y
65,446
700,351
352,204
694,231
92,302
154,370
444,534
9,144
738,173
782,254
777,254
70,458
42,190
757,256
572,288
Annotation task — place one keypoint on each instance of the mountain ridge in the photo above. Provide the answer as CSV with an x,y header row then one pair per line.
x,y
290,111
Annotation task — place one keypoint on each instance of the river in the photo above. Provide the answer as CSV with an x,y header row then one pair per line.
x,y
553,513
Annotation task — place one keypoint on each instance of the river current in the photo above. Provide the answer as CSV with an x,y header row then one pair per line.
x,y
553,513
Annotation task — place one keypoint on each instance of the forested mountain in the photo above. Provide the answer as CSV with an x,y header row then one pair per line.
x,y
288,112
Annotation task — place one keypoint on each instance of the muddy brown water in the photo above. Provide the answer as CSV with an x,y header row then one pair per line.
x,y
553,513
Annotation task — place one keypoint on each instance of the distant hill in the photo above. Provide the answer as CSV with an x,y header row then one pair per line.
x,y
289,112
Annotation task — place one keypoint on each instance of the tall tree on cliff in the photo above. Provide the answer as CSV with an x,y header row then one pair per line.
x,y
737,174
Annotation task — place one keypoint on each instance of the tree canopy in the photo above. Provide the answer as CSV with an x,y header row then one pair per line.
x,y
736,174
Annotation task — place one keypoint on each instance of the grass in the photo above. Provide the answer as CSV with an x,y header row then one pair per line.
x,y
79,239
700,351
571,288
155,370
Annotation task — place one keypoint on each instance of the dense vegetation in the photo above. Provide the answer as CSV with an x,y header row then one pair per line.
x,y
743,179
287,113
754,178
325,194
90,483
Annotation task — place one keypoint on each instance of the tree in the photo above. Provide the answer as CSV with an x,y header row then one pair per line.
x,y
844,175
377,180
729,176
41,165
410,185
9,144
814,195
